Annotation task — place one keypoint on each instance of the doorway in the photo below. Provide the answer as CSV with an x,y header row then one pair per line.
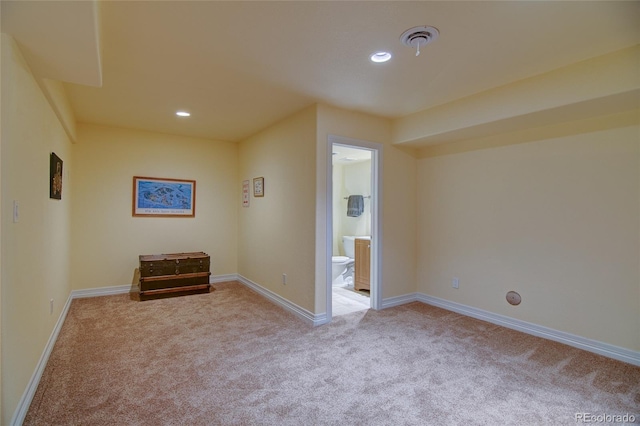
x,y
354,156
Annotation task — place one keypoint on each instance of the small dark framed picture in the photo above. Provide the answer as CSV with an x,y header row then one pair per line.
x,y
55,177
258,187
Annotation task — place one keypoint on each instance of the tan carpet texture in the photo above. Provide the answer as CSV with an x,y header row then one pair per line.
x,y
232,357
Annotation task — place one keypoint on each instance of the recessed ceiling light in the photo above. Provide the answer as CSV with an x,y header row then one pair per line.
x,y
183,114
381,57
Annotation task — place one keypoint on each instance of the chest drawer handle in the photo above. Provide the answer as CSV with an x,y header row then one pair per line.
x,y
177,271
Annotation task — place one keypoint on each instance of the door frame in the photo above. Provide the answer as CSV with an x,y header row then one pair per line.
x,y
376,216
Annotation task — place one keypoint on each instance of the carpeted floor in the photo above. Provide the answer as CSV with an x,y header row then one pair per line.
x,y
233,358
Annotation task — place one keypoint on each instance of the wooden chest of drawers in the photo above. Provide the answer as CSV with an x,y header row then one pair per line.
x,y
173,274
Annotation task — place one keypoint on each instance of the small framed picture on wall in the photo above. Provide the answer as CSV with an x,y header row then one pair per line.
x,y
245,193
55,177
258,187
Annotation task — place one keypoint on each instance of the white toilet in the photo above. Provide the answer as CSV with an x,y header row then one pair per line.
x,y
342,266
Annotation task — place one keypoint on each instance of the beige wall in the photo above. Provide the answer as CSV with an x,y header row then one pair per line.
x,y
107,239
356,179
398,207
2,127
337,213
34,251
56,95
276,232
350,179
285,232
555,220
604,85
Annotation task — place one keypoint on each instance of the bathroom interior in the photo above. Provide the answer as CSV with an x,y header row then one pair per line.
x,y
350,262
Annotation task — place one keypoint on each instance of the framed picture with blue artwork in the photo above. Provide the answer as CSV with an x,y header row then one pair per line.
x,y
164,197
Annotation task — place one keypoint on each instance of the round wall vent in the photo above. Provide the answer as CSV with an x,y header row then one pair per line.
x,y
417,37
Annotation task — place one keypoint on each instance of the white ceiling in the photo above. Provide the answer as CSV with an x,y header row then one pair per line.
x,y
58,39
349,155
240,66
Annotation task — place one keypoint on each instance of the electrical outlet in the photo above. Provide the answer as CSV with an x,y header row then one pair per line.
x,y
455,283
51,307
284,279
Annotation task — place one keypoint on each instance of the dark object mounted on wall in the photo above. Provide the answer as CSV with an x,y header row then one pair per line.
x,y
55,177
355,205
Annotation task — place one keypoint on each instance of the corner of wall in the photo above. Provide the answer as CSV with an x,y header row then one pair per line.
x,y
574,127
279,226
56,95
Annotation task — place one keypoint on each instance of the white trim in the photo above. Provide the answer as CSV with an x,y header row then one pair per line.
x,y
32,386
101,291
309,317
390,302
376,227
601,348
320,319
328,237
376,216
214,279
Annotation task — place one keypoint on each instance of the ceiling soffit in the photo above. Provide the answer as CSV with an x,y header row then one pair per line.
x,y
238,67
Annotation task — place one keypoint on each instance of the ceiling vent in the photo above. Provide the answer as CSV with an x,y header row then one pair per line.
x,y
417,37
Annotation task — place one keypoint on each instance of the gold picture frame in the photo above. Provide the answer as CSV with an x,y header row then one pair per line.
x,y
258,187
163,197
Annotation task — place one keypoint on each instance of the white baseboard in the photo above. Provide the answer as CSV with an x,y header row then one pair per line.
x,y
284,303
32,386
601,348
390,302
213,279
102,291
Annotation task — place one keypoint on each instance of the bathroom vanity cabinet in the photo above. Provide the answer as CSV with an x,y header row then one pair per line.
x,y
362,278
176,274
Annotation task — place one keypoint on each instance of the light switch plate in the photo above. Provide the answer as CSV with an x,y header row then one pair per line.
x,y
16,211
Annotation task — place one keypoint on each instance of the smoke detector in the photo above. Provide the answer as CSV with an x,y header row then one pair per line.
x,y
417,37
